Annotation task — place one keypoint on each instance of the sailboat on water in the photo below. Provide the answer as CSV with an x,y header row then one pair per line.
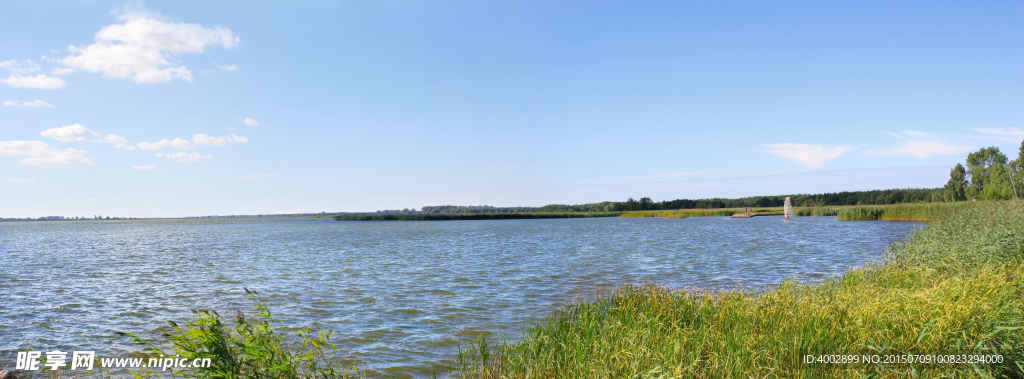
x,y
787,209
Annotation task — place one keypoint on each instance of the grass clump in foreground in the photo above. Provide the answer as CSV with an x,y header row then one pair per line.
x,y
243,347
953,288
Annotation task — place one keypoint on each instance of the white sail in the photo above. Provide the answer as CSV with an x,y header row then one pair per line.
x,y
787,209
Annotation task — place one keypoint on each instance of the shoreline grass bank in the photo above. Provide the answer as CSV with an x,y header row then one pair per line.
x,y
949,291
472,216
920,212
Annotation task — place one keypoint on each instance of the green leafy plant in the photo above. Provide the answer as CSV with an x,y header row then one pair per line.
x,y
246,347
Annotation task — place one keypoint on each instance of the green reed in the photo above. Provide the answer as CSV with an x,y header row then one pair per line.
x,y
953,288
899,212
816,211
471,216
762,211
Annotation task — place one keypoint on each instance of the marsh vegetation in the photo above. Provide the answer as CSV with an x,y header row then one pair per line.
x,y
952,288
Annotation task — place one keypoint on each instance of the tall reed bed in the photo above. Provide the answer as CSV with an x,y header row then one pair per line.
x,y
816,211
683,213
952,289
471,216
680,213
899,212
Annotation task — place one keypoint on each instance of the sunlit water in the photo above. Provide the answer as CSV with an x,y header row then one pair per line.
x,y
398,295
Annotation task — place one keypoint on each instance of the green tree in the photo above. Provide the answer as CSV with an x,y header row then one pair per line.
x,y
989,178
631,205
956,187
1017,169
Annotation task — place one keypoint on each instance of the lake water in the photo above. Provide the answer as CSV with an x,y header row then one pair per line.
x,y
398,295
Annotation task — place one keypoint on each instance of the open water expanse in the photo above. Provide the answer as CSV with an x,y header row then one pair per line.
x,y
398,295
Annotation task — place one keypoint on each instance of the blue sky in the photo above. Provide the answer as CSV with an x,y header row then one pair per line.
x,y
141,109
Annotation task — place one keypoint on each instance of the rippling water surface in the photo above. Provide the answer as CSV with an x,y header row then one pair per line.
x,y
397,294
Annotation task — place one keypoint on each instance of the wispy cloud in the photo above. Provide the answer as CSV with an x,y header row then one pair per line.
x,y
202,139
920,144
197,140
142,167
922,149
250,122
25,103
21,67
669,175
21,181
651,176
256,176
176,143
229,68
20,80
911,133
1005,134
810,156
40,154
184,157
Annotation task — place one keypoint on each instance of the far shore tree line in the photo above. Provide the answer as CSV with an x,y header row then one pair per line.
x,y
988,175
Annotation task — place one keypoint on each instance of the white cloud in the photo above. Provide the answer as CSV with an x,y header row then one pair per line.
x,y
669,175
919,144
256,176
143,167
143,47
21,181
75,132
43,155
197,140
651,176
202,139
923,149
26,103
229,67
61,71
1007,134
911,133
116,140
78,132
20,67
39,81
184,157
810,156
177,143
250,122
